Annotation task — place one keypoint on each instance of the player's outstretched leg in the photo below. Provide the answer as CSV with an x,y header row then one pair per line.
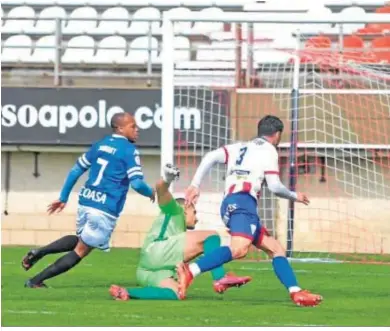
x,y
64,244
63,264
285,273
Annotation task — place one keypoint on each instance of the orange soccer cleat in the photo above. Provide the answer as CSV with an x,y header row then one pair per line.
x,y
230,280
306,299
119,293
185,279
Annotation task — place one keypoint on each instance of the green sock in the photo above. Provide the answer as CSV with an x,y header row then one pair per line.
x,y
210,244
152,293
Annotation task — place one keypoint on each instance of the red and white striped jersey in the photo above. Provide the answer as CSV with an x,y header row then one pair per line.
x,y
247,165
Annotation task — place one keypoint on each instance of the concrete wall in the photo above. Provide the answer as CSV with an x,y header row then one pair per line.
x,y
334,221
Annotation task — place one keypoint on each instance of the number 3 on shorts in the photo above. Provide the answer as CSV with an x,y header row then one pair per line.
x,y
103,164
240,158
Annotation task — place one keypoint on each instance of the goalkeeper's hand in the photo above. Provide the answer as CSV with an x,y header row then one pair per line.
x,y
171,173
192,195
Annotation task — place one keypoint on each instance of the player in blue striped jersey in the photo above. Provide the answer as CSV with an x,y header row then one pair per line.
x,y
114,165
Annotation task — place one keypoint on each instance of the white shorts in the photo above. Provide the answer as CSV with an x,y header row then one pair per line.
x,y
95,227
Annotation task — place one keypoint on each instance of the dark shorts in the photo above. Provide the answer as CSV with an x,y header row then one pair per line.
x,y
239,213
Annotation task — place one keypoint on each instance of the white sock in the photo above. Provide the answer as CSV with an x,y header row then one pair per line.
x,y
294,289
195,270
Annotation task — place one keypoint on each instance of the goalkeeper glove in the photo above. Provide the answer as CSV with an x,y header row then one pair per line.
x,y
170,174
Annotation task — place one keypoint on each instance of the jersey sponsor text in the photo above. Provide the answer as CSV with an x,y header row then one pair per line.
x,y
93,195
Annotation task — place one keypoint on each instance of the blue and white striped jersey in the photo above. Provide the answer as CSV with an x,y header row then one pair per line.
x,y
113,163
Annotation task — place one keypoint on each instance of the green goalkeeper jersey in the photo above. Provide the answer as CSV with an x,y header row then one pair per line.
x,y
171,221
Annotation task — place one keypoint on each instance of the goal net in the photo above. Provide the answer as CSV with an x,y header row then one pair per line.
x,y
340,103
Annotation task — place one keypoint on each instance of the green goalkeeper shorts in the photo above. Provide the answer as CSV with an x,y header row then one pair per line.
x,y
153,278
159,259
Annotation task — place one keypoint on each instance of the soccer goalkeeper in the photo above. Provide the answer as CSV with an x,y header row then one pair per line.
x,y
167,244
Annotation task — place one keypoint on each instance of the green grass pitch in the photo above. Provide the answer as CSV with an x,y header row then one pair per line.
x,y
354,295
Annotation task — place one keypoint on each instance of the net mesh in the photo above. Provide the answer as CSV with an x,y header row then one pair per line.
x,y
343,145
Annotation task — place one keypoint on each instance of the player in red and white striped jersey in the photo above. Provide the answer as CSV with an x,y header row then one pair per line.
x,y
248,165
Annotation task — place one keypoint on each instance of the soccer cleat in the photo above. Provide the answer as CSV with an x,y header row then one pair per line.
x,y
119,293
185,279
30,284
30,259
230,280
305,298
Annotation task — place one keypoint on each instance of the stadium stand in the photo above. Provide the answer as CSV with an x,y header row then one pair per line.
x,y
98,33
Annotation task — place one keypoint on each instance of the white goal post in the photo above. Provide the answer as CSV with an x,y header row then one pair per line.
x,y
336,147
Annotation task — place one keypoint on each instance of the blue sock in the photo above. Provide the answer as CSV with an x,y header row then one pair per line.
x,y
284,271
215,259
